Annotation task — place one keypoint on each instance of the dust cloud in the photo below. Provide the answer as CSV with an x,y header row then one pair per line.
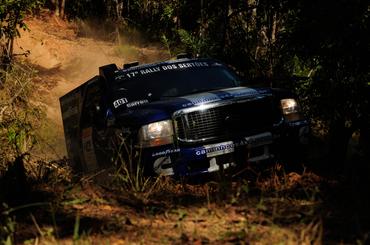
x,y
67,54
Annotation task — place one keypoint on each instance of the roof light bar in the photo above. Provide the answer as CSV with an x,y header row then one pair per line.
x,y
131,64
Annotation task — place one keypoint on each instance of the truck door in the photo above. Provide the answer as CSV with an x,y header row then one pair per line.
x,y
92,120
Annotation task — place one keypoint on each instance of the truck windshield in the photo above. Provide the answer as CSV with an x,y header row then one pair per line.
x,y
159,82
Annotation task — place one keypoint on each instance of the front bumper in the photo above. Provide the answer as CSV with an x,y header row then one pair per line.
x,y
207,158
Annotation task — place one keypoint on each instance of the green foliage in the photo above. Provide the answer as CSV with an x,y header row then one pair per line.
x,y
167,43
12,13
194,44
168,13
18,117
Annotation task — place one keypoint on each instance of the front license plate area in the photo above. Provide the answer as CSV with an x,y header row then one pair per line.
x,y
250,142
219,149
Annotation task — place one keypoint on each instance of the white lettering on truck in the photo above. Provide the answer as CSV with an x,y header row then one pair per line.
x,y
119,102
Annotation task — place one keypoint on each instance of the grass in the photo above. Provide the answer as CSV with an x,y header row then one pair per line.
x,y
129,169
264,205
273,207
265,212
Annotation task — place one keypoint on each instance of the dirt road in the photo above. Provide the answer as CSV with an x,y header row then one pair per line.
x,y
65,55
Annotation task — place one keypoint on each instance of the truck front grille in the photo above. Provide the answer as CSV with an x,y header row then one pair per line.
x,y
224,121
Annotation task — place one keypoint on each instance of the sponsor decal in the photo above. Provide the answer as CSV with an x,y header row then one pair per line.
x,y
119,102
241,92
163,166
120,77
202,98
184,65
192,64
229,146
127,75
170,67
148,70
165,152
217,149
220,149
223,95
137,103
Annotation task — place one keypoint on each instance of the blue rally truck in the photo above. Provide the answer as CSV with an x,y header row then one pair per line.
x,y
182,117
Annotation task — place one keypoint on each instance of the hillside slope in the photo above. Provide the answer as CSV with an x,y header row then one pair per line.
x,y
64,59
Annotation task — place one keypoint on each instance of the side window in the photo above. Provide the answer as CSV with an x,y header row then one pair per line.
x,y
93,106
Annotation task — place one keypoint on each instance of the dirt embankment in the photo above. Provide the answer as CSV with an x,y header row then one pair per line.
x,y
64,59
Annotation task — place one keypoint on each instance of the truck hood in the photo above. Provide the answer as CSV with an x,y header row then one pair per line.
x,y
144,113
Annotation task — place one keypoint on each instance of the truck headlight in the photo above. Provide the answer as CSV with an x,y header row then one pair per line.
x,y
290,109
155,134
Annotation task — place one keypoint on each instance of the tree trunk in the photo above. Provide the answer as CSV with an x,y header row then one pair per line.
x,y
225,23
118,35
55,5
257,16
271,48
62,7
